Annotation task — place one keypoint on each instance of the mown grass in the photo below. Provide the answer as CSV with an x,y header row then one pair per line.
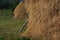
x,y
9,28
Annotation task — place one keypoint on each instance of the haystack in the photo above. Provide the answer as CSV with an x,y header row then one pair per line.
x,y
44,19
20,12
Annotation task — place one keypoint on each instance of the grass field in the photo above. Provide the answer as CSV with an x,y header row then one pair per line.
x,y
9,28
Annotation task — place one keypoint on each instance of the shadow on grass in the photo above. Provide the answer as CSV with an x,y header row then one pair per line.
x,y
17,38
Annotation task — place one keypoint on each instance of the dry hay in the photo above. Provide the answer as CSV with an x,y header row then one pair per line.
x,y
44,19
19,12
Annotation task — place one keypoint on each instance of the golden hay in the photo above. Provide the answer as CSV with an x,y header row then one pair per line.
x,y
44,19
19,12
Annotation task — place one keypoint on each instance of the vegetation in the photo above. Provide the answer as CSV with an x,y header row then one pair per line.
x,y
9,27
6,12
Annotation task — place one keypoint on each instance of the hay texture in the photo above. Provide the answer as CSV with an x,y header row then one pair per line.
x,y
19,12
44,19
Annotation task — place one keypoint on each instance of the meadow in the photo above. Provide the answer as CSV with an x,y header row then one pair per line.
x,y
9,26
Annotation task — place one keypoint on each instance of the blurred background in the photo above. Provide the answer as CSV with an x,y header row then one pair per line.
x,y
8,26
8,5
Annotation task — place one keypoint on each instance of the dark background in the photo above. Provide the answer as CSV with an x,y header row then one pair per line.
x,y
8,5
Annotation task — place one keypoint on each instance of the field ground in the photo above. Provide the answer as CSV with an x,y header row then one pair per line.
x,y
9,27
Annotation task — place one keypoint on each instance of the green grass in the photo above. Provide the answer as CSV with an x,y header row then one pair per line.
x,y
6,12
9,27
